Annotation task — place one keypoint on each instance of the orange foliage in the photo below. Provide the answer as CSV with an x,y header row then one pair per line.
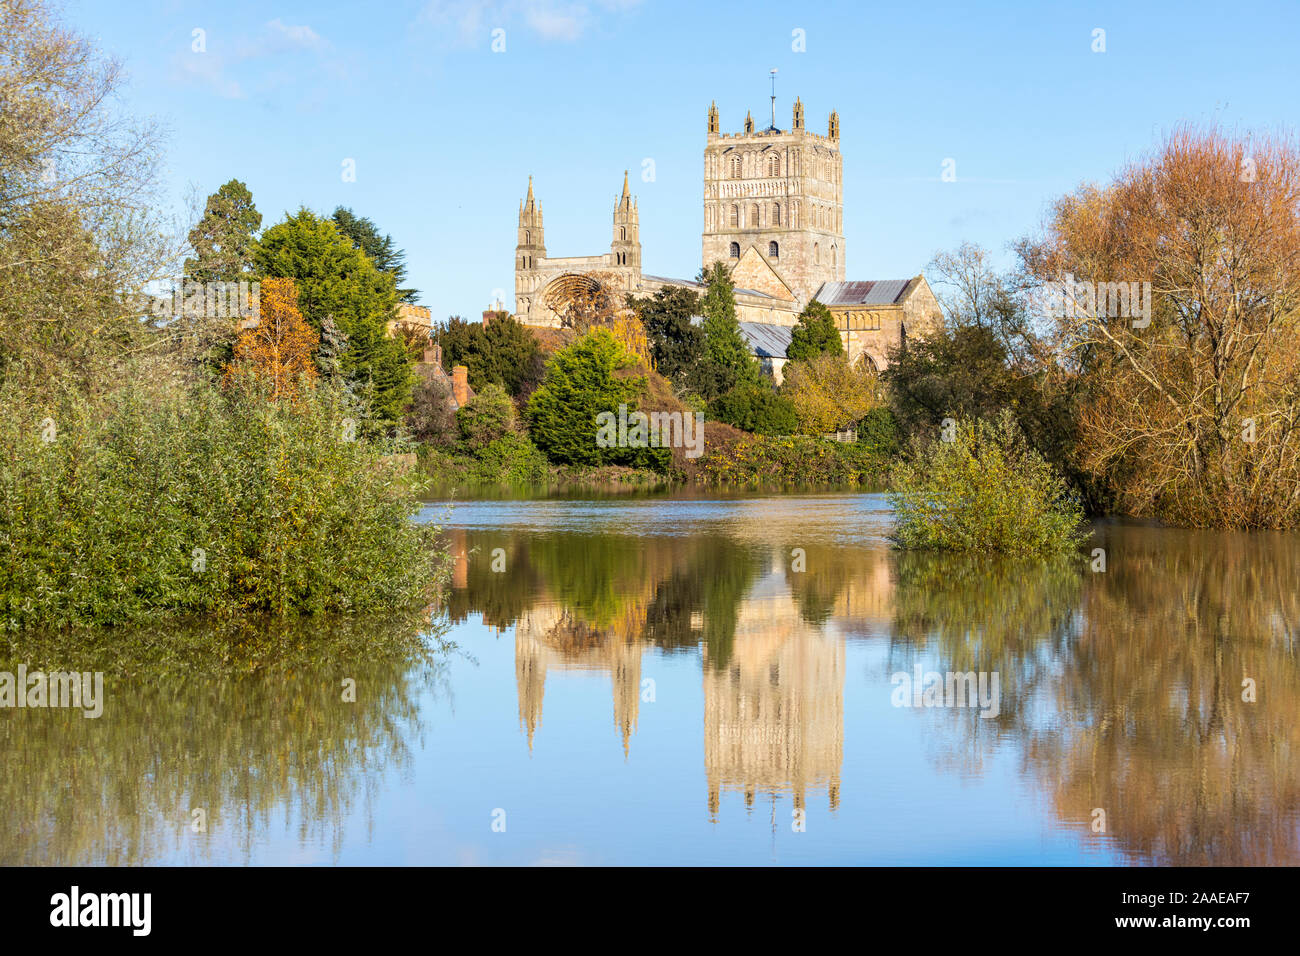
x,y
278,349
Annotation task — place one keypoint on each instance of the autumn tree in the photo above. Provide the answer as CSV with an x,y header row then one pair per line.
x,y
1177,302
278,348
829,394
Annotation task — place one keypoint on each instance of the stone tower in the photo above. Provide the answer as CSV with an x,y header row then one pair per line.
x,y
780,192
530,247
626,244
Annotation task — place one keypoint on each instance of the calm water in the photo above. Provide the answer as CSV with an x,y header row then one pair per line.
x,y
709,680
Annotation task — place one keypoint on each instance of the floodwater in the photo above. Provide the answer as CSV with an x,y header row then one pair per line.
x,y
716,680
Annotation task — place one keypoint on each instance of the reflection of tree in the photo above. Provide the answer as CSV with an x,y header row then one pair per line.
x,y
672,592
1187,772
982,613
254,734
1125,687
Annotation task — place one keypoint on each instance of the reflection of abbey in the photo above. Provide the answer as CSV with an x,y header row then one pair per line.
x,y
774,213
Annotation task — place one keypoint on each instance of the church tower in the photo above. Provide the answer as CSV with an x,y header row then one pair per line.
x,y
779,192
626,245
530,250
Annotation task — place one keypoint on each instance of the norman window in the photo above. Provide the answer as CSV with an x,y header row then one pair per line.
x,y
773,250
735,250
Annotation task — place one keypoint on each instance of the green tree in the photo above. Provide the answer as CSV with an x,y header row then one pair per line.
x,y
589,377
379,247
224,238
814,334
676,344
505,352
487,416
756,408
729,361
335,279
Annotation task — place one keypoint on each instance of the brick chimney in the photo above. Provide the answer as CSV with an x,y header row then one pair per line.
x,y
460,385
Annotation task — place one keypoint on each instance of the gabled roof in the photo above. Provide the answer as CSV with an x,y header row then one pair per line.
x,y
876,292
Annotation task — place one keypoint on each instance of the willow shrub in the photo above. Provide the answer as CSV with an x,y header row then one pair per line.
x,y
986,490
203,503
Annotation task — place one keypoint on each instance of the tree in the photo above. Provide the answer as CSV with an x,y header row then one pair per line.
x,y
278,349
378,247
78,239
223,240
593,375
676,344
1191,407
986,490
329,355
335,279
814,334
487,416
729,361
756,408
829,394
504,352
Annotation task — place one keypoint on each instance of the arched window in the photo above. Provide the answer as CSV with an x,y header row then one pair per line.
x,y
622,233
735,215
776,214
735,250
835,257
774,165
773,250
753,217
817,253
735,167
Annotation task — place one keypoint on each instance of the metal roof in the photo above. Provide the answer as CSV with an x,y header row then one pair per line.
x,y
766,341
877,292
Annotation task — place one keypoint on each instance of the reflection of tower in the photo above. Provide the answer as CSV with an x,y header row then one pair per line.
x,y
625,669
549,637
774,713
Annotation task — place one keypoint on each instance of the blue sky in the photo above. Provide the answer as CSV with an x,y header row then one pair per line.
x,y
445,132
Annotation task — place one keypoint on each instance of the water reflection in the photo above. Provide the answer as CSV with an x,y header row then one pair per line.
x,y
1121,689
249,726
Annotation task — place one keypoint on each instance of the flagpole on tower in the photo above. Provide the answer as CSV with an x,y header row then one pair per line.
x,y
772,72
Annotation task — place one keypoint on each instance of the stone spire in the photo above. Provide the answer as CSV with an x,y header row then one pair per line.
x,y
713,117
798,113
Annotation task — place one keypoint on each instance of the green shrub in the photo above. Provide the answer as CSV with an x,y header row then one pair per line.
x,y
879,431
487,416
796,460
593,375
985,491
203,503
755,408
511,460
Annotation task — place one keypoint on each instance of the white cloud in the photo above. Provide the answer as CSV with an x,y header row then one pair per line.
x,y
472,21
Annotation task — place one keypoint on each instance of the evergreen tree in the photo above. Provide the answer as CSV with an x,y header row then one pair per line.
x,y
814,334
329,356
337,280
729,361
676,345
381,249
223,240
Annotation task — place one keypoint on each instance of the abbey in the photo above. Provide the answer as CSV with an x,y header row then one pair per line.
x,y
774,213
